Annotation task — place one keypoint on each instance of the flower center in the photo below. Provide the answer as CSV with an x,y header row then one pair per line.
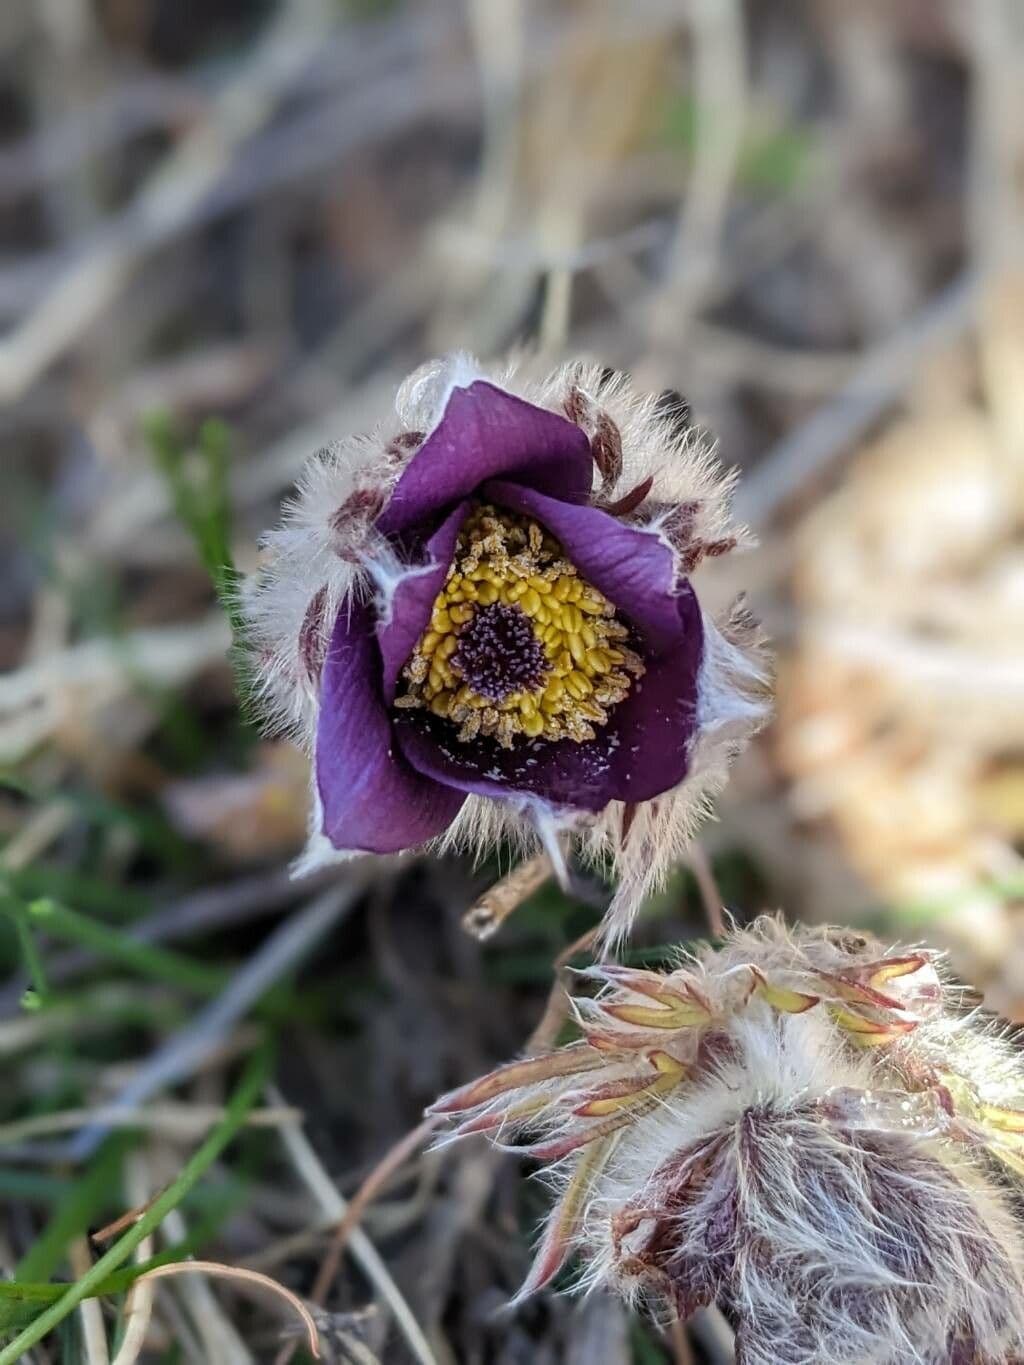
x,y
498,653
518,642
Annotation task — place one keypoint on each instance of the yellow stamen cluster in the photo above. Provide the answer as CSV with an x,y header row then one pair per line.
x,y
505,558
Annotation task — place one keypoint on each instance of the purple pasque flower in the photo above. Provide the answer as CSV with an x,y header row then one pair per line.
x,y
481,622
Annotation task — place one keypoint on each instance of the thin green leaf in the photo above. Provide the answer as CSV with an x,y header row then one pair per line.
x,y
148,959
12,906
247,1093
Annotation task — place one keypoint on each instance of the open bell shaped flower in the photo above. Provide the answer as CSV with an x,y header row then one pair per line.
x,y
480,622
805,1127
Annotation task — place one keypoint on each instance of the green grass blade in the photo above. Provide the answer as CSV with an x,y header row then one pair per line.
x,y
40,993
202,502
162,964
84,1201
247,1093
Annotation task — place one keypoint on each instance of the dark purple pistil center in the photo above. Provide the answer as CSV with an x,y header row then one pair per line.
x,y
498,653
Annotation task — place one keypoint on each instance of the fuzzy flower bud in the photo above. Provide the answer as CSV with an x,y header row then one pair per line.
x,y
803,1127
480,623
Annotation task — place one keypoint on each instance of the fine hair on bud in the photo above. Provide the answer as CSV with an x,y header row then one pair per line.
x,y
805,1127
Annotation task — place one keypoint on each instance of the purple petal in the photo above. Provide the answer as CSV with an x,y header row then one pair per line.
x,y
413,601
486,433
643,750
634,569
372,799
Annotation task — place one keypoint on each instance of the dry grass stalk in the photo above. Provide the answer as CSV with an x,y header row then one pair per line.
x,y
138,1308
94,1333
251,1278
494,907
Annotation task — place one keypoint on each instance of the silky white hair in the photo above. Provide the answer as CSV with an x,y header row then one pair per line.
x,y
856,1242
843,1201
327,549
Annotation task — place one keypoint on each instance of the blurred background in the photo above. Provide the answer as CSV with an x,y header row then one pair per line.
x,y
228,230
